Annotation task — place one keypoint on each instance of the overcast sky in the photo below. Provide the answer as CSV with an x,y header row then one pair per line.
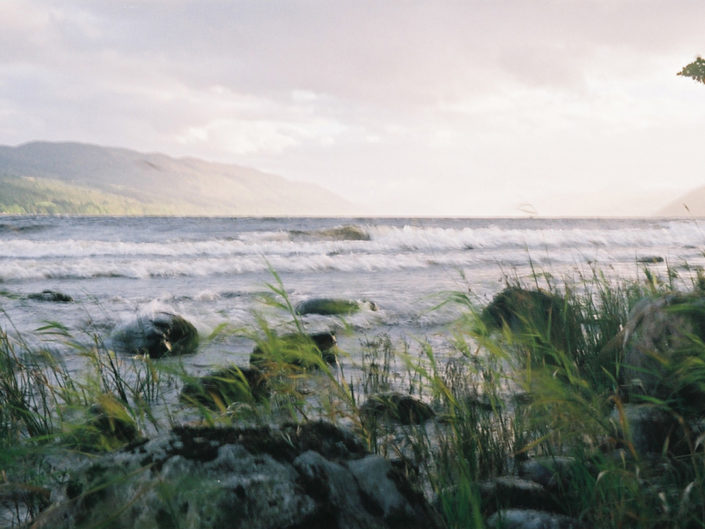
x,y
405,107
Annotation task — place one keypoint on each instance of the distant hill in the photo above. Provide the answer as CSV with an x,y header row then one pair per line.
x,y
690,204
76,178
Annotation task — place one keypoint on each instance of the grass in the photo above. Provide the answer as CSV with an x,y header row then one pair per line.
x,y
540,376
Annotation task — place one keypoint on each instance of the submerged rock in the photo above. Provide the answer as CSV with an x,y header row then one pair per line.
x,y
395,407
301,350
333,307
51,296
165,334
225,386
310,475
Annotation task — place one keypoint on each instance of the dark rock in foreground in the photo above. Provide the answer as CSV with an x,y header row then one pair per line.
x,y
301,350
519,493
531,519
225,386
164,335
51,296
396,407
332,306
311,475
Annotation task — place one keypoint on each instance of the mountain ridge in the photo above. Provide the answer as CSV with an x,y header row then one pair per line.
x,y
124,181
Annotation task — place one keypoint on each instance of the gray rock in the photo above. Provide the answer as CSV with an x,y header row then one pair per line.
x,y
396,407
163,335
531,519
309,475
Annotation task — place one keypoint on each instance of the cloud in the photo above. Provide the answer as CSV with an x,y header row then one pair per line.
x,y
398,103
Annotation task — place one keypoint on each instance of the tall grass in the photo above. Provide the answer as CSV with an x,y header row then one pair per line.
x,y
545,382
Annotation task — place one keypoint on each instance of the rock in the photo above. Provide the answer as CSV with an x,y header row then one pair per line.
x,y
510,491
333,307
661,341
299,350
395,407
650,429
551,472
339,233
536,314
310,475
106,425
51,296
531,519
220,388
164,335
652,259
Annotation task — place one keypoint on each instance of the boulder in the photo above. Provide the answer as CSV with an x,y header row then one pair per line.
x,y
51,296
551,472
310,475
300,350
646,428
165,334
332,306
542,316
531,519
511,491
395,407
220,388
662,351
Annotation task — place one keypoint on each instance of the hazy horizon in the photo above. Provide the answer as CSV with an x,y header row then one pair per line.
x,y
476,109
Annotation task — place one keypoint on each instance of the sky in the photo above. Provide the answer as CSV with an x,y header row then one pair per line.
x,y
462,108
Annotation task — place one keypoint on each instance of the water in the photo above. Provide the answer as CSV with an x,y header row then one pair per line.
x,y
215,270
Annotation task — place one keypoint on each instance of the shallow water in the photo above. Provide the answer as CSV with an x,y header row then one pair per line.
x,y
215,270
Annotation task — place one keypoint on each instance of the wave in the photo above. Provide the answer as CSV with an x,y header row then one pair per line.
x,y
374,239
166,267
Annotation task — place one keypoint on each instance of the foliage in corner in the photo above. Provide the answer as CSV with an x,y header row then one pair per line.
x,y
695,70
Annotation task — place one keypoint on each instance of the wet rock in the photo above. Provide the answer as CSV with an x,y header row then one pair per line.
x,y
531,519
300,350
163,335
395,407
312,475
511,491
553,473
333,307
661,340
51,296
220,388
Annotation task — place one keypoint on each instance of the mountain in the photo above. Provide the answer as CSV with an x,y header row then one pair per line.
x,y
692,204
76,178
